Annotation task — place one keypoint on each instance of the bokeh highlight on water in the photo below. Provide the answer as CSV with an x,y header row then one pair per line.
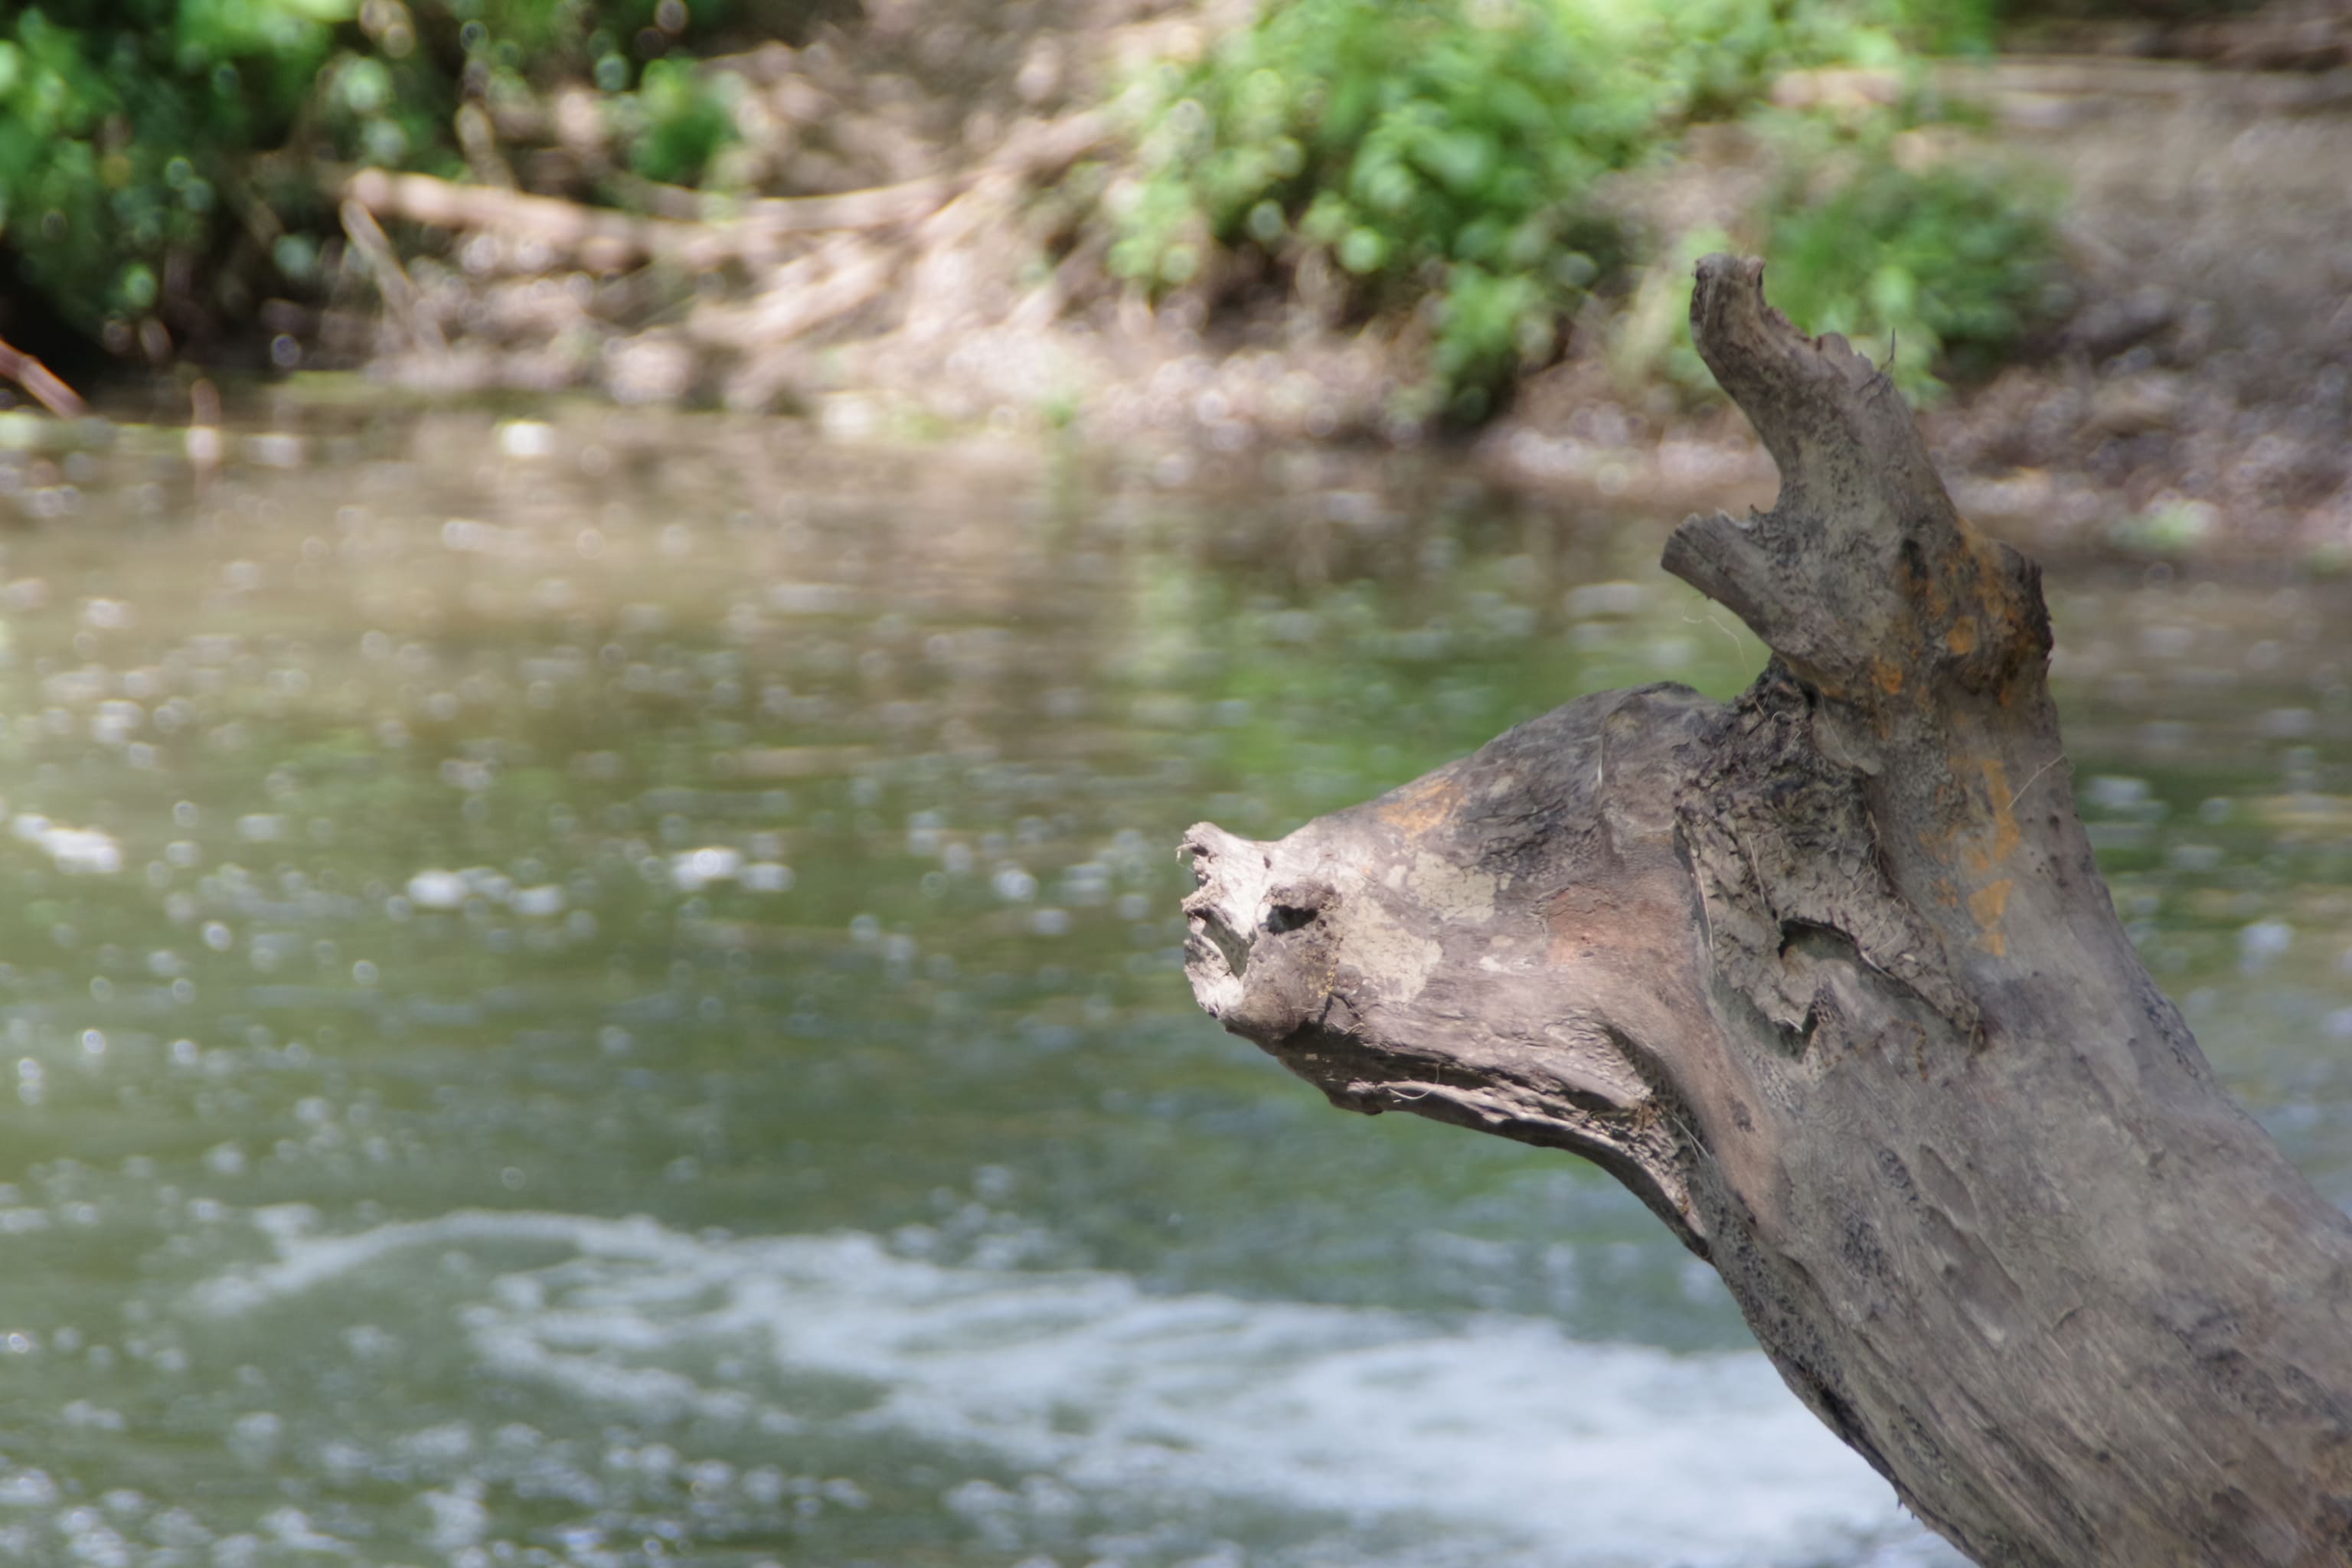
x,y
606,989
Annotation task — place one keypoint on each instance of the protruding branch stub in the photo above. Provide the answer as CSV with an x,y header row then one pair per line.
x,y
1864,577
1505,944
1827,416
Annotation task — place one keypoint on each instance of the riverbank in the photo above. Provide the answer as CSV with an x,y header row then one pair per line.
x,y
2198,397
2195,399
951,275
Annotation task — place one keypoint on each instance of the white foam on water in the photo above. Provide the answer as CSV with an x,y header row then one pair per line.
x,y
1523,1445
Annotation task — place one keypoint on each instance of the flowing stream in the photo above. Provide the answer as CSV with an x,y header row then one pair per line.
x,y
604,989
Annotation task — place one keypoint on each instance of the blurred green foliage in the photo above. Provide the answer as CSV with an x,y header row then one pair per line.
x,y
1433,162
142,141
1388,151
1405,142
1934,262
677,123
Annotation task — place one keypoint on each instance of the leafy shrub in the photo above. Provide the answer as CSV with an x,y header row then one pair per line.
x,y
1932,264
682,121
133,134
113,135
1945,265
1448,150
1407,145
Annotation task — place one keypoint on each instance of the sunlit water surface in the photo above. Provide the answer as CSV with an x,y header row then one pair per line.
x,y
607,991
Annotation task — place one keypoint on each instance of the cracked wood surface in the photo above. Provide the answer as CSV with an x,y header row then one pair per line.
x,y
1827,977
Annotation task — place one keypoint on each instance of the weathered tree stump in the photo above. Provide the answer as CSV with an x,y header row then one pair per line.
x,y
1827,976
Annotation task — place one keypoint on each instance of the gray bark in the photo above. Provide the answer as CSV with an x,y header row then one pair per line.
x,y
1827,976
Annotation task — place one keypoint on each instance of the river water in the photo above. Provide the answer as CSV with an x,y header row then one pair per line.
x,y
606,989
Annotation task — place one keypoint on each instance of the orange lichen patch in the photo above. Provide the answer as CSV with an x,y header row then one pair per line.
x,y
1972,608
1420,805
1985,561
1888,676
1969,600
1924,591
1986,905
2004,838
2006,612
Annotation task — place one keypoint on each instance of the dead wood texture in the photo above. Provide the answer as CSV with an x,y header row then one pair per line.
x,y
1827,976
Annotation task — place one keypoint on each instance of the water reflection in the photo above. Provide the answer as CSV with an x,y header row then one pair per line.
x,y
604,989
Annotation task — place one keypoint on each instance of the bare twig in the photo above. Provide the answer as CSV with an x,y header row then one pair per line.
x,y
595,237
604,240
400,296
800,295
202,441
41,384
2029,783
879,206
478,137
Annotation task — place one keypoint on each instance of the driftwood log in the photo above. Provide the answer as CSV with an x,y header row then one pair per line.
x,y
1827,976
